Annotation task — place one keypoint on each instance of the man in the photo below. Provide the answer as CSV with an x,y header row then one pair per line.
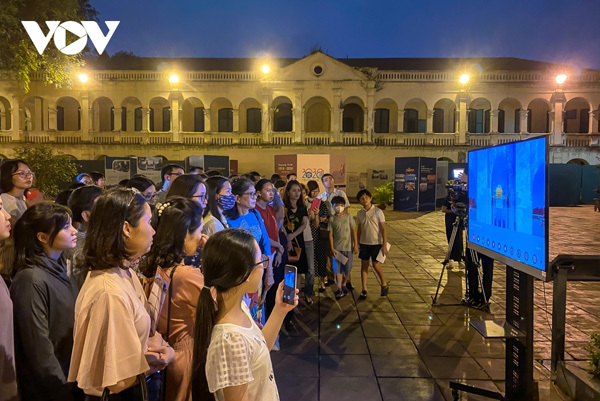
x,y
168,173
291,177
84,178
330,193
196,170
98,178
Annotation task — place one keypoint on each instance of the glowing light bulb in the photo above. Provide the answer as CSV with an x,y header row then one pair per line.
x,y
561,78
265,69
83,78
464,78
173,78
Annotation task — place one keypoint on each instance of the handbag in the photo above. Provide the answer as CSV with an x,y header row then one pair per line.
x,y
294,254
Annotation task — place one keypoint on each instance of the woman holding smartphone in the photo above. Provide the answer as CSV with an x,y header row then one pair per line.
x,y
231,354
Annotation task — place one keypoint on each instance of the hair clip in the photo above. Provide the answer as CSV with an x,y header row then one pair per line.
x,y
161,207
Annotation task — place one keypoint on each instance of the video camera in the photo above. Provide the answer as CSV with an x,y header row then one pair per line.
x,y
458,194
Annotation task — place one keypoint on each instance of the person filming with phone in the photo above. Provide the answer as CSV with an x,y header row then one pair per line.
x,y
231,354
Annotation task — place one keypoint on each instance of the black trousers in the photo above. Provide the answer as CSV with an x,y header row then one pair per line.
x,y
278,278
457,248
487,266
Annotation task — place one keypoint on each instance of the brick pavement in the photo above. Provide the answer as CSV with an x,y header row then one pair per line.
x,y
399,347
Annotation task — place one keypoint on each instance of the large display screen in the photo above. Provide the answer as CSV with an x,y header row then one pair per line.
x,y
508,204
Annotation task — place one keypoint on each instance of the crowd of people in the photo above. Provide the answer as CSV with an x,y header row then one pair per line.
x,y
168,291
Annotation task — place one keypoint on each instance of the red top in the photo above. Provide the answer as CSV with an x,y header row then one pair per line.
x,y
268,216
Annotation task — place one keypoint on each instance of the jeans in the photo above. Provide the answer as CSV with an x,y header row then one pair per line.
x,y
310,274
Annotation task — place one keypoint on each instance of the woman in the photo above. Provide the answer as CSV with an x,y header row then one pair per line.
x,y
112,346
220,199
296,220
43,300
316,215
245,217
264,191
231,354
192,187
8,374
178,225
189,186
146,188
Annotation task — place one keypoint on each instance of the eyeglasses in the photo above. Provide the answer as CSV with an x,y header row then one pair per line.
x,y
149,197
264,261
23,174
250,194
177,174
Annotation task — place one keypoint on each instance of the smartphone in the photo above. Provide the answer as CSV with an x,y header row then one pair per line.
x,y
289,284
315,204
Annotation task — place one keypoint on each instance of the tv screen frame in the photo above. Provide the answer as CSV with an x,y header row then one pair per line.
x,y
544,275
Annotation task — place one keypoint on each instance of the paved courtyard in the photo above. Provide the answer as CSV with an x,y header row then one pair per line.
x,y
399,347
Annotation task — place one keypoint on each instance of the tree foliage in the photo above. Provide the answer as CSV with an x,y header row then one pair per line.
x,y
17,52
49,167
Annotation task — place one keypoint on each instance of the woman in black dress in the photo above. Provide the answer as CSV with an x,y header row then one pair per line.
x,y
296,219
316,215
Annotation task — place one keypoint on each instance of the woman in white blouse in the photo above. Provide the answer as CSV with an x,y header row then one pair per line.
x,y
111,346
231,354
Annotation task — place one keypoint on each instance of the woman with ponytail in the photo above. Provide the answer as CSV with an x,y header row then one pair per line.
x,y
231,354
178,226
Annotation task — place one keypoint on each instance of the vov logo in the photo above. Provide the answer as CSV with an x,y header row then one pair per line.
x,y
59,30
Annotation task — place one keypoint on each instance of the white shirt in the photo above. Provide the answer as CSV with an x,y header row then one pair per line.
x,y
369,220
238,355
13,206
326,197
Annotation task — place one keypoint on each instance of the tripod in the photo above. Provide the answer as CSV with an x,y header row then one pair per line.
x,y
455,227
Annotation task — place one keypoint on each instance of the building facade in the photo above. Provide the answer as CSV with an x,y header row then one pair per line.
x,y
371,110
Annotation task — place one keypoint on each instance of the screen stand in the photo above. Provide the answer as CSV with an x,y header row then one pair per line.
x,y
517,329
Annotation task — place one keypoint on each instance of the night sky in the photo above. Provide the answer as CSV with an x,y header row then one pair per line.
x,y
560,31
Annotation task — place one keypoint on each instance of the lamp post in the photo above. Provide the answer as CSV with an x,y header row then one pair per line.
x,y
559,100
174,106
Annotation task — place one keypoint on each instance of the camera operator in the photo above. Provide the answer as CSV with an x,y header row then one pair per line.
x,y
475,296
450,217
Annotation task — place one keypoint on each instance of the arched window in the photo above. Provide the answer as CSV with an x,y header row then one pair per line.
x,y
253,121
382,121
411,121
226,120
282,118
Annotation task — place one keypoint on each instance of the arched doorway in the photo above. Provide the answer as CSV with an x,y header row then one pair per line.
x,y
538,120
509,116
282,114
444,116
576,117
318,115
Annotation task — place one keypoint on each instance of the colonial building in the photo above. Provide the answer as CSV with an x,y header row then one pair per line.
x,y
371,110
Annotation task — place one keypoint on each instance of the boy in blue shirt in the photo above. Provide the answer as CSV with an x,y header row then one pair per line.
x,y
343,242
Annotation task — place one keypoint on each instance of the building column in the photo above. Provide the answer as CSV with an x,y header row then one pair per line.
x,y
429,129
85,117
3,121
37,117
337,115
118,115
175,119
401,121
52,111
558,121
207,127
494,121
592,115
456,120
524,115
15,114
462,120
370,112
236,120
96,118
180,127
266,116
298,115
145,119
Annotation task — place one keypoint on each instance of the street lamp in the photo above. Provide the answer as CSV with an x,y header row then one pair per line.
x,y
173,79
83,78
464,79
265,69
561,78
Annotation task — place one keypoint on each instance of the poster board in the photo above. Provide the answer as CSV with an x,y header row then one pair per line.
x,y
117,169
415,184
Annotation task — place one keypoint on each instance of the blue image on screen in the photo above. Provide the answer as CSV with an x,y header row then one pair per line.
x,y
289,279
508,201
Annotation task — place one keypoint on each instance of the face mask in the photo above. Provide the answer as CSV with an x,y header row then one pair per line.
x,y
339,209
226,202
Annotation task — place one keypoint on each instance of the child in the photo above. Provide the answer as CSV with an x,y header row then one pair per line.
x,y
342,239
372,236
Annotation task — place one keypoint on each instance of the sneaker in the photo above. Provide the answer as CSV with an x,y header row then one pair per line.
x,y
339,294
329,282
385,289
363,295
322,289
349,286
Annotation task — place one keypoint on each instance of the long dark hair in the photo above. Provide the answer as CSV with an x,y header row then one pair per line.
x,y
105,247
172,222
185,185
214,185
238,187
224,271
6,174
140,183
45,217
286,196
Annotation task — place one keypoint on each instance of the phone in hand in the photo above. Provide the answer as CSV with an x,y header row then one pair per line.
x,y
315,204
289,284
